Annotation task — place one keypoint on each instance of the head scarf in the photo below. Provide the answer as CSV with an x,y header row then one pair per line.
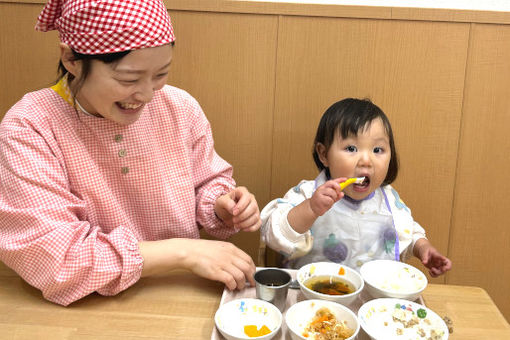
x,y
107,26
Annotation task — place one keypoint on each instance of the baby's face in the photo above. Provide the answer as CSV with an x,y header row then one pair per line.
x,y
366,155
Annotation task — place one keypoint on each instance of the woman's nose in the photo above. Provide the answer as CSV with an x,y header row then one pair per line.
x,y
145,92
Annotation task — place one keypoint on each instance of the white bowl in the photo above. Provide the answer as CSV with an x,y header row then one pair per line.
x,y
387,278
232,316
377,320
330,269
299,315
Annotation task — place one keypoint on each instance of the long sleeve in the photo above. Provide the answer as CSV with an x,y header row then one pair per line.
x,y
276,231
44,234
78,193
212,175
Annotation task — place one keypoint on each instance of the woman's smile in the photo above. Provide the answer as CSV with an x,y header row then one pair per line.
x,y
130,108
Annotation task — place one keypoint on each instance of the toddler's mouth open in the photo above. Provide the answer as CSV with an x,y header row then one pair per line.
x,y
365,183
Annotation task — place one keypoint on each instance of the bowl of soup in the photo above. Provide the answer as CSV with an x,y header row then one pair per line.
x,y
330,281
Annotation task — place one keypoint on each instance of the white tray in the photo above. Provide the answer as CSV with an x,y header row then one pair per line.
x,y
293,296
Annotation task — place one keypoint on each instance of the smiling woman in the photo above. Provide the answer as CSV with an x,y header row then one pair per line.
x,y
119,169
119,89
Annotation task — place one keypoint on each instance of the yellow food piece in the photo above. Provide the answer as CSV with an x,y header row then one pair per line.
x,y
252,331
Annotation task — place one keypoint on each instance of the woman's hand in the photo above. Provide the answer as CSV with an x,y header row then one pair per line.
x,y
326,195
222,261
239,209
213,260
431,258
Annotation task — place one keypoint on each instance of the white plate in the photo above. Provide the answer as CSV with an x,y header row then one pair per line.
x,y
387,278
376,319
232,316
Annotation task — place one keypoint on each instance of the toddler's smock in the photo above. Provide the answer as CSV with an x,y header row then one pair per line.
x,y
299,249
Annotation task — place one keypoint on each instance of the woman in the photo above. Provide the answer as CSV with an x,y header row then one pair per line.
x,y
109,175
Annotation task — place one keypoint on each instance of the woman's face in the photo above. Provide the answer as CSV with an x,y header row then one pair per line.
x,y
366,155
119,91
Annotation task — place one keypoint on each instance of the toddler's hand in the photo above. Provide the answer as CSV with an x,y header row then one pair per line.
x,y
431,258
326,195
239,209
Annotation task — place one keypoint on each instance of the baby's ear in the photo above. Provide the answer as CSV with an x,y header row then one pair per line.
x,y
322,152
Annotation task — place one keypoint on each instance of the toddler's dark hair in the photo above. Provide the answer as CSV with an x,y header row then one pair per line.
x,y
348,117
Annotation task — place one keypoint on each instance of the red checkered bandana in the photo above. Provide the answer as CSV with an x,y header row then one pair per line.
x,y
107,26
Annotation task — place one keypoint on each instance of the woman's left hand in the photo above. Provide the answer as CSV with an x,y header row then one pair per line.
x,y
239,209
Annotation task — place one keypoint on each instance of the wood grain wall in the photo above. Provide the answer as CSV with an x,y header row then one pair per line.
x,y
264,79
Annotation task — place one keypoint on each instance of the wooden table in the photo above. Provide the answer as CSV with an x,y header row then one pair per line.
x,y
181,306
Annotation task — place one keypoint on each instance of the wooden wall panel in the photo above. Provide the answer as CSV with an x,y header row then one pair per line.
x,y
416,78
29,59
480,242
227,62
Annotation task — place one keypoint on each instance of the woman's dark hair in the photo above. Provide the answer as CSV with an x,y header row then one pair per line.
x,y
86,60
348,117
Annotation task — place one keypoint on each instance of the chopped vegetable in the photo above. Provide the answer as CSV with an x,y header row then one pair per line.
x,y
422,313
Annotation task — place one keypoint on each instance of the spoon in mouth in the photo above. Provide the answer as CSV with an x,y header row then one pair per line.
x,y
357,180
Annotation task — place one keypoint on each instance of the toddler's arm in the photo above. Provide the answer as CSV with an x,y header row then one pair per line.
x,y
302,216
431,258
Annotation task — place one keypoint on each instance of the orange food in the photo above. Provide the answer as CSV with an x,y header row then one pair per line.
x,y
252,331
324,326
341,271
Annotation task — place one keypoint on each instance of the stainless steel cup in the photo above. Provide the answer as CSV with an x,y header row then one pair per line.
x,y
272,285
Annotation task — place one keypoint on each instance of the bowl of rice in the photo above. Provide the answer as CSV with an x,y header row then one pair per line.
x,y
393,279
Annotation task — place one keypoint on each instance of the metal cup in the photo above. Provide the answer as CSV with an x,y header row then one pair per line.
x,y
272,286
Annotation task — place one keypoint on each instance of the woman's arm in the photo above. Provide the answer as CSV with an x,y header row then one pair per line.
x,y
44,233
214,260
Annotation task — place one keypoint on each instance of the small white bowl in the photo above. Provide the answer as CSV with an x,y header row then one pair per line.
x,y
232,316
377,320
299,315
387,278
330,269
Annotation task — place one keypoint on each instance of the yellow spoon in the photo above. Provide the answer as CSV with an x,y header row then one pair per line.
x,y
357,180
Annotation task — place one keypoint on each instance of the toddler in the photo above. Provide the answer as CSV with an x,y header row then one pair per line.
x,y
317,221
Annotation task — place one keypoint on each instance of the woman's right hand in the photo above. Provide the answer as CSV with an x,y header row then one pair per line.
x,y
214,260
221,261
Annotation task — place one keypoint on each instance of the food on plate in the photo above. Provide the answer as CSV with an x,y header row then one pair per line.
x,y
252,331
331,285
404,280
325,326
404,321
